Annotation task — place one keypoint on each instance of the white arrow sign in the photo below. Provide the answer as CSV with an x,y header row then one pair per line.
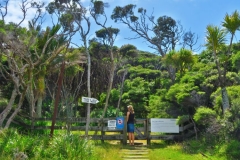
x,y
89,100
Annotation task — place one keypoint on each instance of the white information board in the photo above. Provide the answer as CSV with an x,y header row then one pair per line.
x,y
112,124
164,125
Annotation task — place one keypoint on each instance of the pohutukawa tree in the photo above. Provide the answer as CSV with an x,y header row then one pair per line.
x,y
108,36
162,35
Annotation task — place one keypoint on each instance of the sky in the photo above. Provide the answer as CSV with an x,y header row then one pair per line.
x,y
193,15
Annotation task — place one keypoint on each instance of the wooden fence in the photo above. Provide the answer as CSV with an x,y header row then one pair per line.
x,y
142,129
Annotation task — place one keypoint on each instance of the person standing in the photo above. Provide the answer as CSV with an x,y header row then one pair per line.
x,y
130,124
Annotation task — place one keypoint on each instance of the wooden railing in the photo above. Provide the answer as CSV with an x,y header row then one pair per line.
x,y
100,126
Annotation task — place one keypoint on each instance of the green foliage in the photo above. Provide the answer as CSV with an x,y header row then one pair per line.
x,y
195,78
180,92
114,95
136,92
215,37
157,107
66,21
106,33
182,119
145,73
41,147
232,150
181,60
208,149
203,115
206,57
233,94
236,61
111,112
231,120
128,51
73,70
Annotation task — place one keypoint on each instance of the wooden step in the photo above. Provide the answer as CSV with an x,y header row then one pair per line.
x,y
134,156
135,159
136,152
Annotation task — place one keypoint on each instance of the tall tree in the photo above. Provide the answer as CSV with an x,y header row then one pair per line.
x,y
190,40
179,60
73,17
215,40
163,35
232,24
16,45
108,36
126,53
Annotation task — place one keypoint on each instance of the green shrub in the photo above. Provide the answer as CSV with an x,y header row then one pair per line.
x,y
203,115
182,119
38,147
232,150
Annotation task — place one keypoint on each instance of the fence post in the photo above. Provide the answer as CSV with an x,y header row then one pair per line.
x,y
182,134
148,133
125,131
102,132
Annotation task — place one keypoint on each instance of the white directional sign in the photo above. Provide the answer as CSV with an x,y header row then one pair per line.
x,y
89,100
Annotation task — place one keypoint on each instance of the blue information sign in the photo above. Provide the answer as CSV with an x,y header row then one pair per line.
x,y
120,122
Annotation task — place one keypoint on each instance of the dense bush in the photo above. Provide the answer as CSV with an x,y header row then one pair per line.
x,y
203,115
60,147
232,150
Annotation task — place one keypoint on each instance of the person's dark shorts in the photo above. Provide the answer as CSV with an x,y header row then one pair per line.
x,y
130,127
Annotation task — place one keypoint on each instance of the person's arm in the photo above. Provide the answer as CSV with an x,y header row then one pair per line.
x,y
128,113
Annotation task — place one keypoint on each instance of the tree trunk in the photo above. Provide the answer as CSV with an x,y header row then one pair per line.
x,y
6,111
56,102
17,109
88,89
222,80
109,87
172,73
30,95
39,106
121,91
225,99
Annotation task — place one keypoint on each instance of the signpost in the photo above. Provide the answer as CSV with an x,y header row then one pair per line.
x,y
120,122
89,100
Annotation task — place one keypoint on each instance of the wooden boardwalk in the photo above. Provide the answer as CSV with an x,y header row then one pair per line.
x,y
136,152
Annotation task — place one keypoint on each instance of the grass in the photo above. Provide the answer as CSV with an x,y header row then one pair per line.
x,y
71,146
175,151
107,151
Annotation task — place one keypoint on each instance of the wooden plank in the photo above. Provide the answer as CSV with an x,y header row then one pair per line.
x,y
187,126
162,137
106,137
139,132
141,129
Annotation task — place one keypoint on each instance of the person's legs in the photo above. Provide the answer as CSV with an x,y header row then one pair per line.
x,y
129,138
130,130
133,138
